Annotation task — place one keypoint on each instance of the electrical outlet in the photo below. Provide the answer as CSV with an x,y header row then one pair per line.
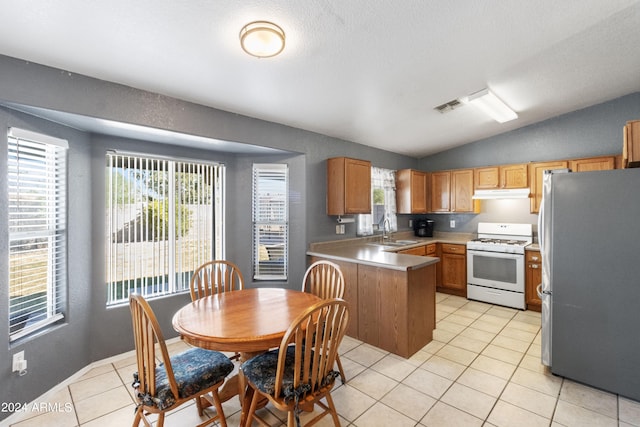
x,y
410,223
340,229
452,223
18,361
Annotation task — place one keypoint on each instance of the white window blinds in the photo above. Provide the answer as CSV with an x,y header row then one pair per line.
x,y
383,197
164,219
37,178
270,221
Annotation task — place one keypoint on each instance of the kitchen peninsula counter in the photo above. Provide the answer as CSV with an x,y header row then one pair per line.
x,y
391,296
369,250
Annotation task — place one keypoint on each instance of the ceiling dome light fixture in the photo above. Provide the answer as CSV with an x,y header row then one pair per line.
x,y
262,39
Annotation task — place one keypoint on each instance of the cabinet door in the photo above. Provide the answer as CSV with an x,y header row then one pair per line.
x,y
532,280
357,186
430,249
411,191
441,191
486,178
368,304
418,192
454,273
348,186
535,172
631,145
592,164
462,190
514,176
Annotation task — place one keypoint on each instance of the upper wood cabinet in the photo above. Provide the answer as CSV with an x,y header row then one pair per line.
x,y
631,145
451,191
411,191
441,191
348,186
508,176
535,172
462,190
592,164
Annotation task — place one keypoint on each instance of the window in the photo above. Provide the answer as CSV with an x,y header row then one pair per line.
x,y
270,221
37,174
163,220
383,197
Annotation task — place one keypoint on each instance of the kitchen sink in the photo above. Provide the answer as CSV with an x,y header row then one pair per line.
x,y
406,242
395,243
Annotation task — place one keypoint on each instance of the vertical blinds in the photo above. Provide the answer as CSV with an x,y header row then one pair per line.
x,y
163,221
270,221
37,169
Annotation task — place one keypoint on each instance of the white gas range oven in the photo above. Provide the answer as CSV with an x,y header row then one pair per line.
x,y
495,264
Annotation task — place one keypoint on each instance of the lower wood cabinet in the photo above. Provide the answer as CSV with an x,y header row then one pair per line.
x,y
394,310
453,276
533,277
420,250
350,274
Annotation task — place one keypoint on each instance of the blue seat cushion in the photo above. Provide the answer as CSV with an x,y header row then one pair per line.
x,y
261,372
194,370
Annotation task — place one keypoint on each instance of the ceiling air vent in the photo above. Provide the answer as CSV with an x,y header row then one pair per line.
x,y
448,106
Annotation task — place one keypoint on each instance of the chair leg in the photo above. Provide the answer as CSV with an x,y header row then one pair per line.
x,y
136,420
291,419
218,404
252,409
332,410
199,405
160,422
342,375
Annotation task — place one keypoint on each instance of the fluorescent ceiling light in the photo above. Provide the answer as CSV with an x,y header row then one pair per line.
x,y
491,105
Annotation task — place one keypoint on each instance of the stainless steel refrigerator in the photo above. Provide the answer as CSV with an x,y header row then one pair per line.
x,y
589,233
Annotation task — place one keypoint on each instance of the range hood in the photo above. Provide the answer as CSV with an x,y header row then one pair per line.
x,y
511,193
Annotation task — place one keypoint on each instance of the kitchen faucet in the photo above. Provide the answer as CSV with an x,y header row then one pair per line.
x,y
385,223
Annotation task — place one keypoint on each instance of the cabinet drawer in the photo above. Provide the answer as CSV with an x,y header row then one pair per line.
x,y
533,256
448,248
430,249
420,250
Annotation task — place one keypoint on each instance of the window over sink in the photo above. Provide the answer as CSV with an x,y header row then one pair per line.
x,y
383,206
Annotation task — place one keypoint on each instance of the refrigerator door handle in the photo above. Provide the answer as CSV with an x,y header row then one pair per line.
x,y
540,292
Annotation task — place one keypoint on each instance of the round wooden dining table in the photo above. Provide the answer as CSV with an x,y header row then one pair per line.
x,y
248,321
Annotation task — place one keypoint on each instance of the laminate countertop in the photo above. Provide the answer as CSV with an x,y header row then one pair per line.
x,y
369,251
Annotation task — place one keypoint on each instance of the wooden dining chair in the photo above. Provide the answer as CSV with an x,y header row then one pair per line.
x,y
325,279
298,374
177,379
216,276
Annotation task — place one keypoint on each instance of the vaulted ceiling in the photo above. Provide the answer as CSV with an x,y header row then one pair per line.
x,y
365,71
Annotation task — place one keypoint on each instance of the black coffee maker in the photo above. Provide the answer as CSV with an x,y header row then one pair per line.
x,y
423,227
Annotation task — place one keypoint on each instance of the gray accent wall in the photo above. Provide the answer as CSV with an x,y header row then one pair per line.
x,y
590,132
92,332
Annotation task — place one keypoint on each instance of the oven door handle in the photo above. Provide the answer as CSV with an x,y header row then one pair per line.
x,y
495,254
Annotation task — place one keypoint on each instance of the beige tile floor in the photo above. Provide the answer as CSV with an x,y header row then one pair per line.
x,y
482,369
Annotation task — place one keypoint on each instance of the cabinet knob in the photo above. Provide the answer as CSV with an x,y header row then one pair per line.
x,y
534,258
534,266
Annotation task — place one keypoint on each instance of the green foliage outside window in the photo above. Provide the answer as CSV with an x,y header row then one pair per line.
x,y
157,224
378,196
